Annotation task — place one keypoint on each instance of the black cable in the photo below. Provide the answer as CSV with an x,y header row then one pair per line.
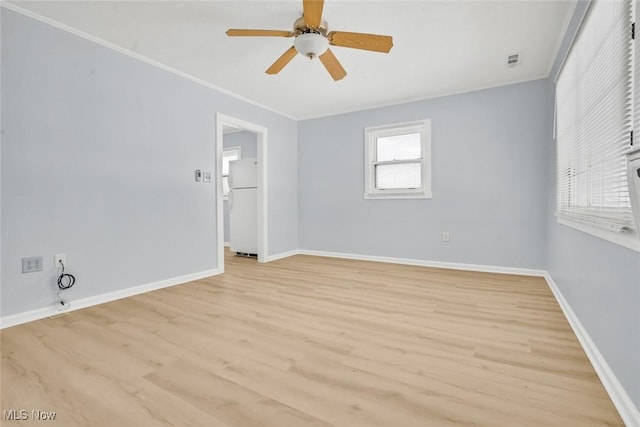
x,y
65,281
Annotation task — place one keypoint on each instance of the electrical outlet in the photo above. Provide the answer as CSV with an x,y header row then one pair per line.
x,y
206,176
59,257
31,264
445,236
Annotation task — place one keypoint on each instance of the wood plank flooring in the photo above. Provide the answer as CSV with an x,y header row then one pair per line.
x,y
309,341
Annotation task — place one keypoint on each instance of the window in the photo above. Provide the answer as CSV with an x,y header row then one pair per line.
x,y
398,161
228,155
594,124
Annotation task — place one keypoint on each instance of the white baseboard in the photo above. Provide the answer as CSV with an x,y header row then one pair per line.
x,y
227,244
41,313
282,255
623,403
426,263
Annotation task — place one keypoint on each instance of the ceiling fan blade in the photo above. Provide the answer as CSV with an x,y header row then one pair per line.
x,y
258,33
332,65
312,12
282,61
363,41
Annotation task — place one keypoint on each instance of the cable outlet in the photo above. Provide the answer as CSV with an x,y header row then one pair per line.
x,y
445,236
59,257
31,264
63,304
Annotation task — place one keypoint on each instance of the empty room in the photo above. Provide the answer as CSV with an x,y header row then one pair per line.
x,y
332,213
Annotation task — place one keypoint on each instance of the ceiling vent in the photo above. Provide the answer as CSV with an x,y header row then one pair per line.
x,y
513,60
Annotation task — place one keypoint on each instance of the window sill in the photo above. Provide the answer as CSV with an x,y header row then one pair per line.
x,y
421,195
225,197
628,240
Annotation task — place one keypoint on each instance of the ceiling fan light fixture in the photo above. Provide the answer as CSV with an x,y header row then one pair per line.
x,y
312,38
311,44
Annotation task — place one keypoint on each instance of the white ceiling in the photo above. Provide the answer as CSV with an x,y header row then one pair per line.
x,y
440,47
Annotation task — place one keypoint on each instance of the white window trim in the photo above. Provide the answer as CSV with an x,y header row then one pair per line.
x,y
370,136
629,239
238,149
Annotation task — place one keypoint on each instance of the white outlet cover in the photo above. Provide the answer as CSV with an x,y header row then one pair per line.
x,y
59,257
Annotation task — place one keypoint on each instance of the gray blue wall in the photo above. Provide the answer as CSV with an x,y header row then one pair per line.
x,y
98,157
599,279
247,141
488,179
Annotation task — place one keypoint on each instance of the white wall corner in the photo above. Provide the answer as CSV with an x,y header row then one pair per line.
x,y
41,313
623,403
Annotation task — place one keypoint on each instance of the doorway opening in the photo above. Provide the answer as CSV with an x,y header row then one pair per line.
x,y
226,125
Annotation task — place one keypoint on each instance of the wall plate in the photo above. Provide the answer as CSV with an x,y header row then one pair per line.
x,y
59,257
31,264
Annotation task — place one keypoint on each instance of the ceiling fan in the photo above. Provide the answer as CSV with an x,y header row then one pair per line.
x,y
313,39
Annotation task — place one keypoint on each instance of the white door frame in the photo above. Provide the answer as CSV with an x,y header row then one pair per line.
x,y
262,143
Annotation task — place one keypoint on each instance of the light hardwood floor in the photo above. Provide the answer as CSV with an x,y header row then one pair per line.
x,y
309,341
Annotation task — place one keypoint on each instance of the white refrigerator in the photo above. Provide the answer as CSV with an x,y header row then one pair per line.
x,y
243,206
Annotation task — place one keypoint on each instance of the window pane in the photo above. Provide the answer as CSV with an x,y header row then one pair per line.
x,y
405,175
225,185
398,147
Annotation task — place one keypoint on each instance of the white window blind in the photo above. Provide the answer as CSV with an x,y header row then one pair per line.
x,y
594,120
636,83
